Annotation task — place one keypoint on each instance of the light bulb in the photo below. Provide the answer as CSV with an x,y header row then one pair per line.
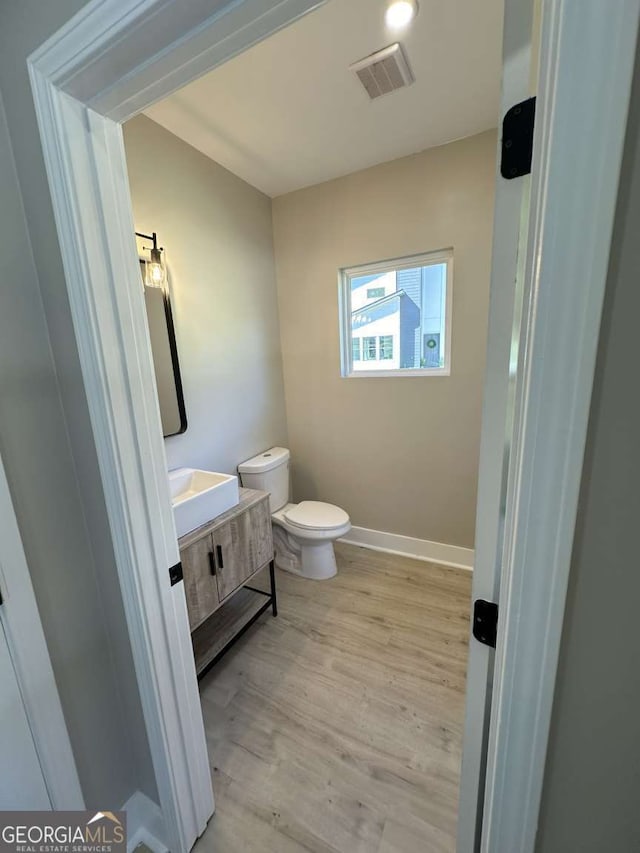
x,y
155,274
155,268
400,13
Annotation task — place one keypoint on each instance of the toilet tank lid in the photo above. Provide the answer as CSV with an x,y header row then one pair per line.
x,y
264,461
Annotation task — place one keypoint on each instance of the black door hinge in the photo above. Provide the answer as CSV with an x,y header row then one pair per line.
x,y
175,574
517,139
485,622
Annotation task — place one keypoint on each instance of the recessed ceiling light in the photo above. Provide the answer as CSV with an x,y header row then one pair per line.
x,y
400,13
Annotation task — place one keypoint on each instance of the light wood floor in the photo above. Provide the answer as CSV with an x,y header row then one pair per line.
x,y
338,725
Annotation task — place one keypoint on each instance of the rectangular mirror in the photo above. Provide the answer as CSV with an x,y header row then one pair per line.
x,y
165,358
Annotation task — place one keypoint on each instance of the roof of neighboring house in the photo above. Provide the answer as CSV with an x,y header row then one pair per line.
x,y
380,301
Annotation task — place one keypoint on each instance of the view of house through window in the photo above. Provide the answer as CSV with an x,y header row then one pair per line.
x,y
396,316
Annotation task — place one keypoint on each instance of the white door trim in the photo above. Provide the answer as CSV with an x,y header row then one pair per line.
x,y
108,62
586,68
496,443
30,657
115,58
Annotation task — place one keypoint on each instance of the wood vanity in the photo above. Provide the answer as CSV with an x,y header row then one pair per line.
x,y
218,560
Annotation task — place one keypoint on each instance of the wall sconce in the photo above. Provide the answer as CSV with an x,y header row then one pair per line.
x,y
155,271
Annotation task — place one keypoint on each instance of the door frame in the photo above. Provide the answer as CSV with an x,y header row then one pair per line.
x,y
116,57
497,434
581,121
20,619
531,465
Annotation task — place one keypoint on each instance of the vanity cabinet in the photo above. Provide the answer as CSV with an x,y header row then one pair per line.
x,y
218,559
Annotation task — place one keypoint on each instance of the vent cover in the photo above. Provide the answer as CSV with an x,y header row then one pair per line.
x,y
384,71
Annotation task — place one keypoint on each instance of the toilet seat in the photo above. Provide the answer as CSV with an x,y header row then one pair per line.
x,y
316,515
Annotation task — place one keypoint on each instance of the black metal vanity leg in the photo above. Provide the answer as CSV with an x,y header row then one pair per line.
x,y
272,576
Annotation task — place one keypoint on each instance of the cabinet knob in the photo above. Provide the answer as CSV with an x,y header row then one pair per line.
x,y
219,553
212,563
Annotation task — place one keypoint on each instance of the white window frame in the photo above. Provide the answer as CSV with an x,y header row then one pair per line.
x,y
393,264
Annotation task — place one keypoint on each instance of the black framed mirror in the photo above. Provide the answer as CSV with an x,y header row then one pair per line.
x,y
165,357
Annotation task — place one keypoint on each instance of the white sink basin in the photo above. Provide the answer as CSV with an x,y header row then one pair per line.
x,y
199,496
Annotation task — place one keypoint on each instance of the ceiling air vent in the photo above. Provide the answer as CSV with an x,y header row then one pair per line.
x,y
384,71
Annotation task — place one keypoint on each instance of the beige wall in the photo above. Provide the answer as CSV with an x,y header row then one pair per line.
x,y
399,454
592,780
218,236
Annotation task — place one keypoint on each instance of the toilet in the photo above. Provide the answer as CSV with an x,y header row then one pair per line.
x,y
304,533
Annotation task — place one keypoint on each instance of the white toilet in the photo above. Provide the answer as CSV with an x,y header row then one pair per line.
x,y
304,533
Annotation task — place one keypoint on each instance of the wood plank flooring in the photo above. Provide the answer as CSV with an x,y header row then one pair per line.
x,y
337,727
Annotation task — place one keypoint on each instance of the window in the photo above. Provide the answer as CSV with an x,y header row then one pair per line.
x,y
369,351
375,292
431,350
396,317
386,347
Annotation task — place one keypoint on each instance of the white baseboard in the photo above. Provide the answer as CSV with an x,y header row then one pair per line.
x,y
144,824
407,546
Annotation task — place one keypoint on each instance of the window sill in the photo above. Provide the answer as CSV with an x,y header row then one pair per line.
x,y
388,374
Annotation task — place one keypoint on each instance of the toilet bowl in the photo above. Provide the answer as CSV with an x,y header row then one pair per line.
x,y
304,533
303,536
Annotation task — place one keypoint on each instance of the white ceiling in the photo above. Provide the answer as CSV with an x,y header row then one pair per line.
x,y
288,113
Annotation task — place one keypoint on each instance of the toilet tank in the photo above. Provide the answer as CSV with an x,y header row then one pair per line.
x,y
268,471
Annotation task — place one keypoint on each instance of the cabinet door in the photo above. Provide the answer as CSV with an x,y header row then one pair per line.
x,y
199,580
243,545
260,535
